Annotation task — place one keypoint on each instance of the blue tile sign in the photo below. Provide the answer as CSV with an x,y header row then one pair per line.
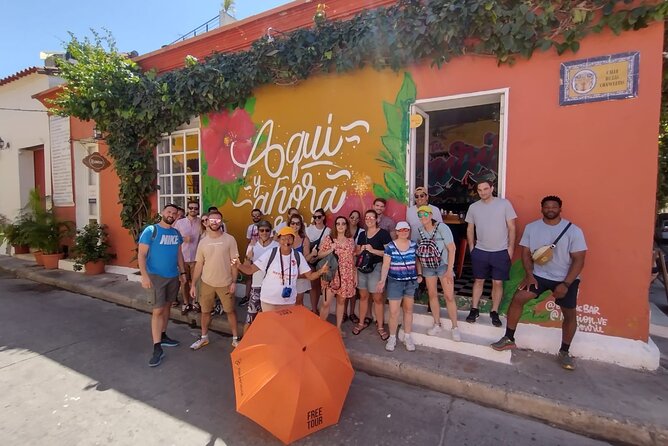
x,y
599,79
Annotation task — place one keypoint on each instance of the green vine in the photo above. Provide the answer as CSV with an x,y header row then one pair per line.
x,y
134,109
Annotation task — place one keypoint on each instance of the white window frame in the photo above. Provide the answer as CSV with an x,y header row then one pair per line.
x,y
171,197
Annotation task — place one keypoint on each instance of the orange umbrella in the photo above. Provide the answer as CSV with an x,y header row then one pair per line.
x,y
291,373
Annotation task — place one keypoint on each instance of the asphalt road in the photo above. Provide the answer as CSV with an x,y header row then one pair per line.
x,y
73,371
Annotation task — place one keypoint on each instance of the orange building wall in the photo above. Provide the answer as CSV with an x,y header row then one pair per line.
x,y
600,158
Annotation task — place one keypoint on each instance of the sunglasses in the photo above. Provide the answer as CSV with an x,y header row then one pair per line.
x,y
318,217
205,220
420,195
403,230
215,220
423,214
265,230
295,223
193,208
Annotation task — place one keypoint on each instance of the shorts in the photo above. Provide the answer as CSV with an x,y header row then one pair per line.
x,y
570,300
303,285
254,305
369,281
398,289
434,272
207,297
163,291
493,265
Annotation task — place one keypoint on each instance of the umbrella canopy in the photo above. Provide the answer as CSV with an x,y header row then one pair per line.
x,y
291,373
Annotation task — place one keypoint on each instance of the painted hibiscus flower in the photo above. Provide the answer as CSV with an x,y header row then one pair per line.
x,y
228,134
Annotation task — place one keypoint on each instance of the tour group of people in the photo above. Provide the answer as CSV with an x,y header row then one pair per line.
x,y
364,257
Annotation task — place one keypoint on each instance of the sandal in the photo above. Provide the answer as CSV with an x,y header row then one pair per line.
x,y
354,319
359,328
367,321
196,307
383,334
185,308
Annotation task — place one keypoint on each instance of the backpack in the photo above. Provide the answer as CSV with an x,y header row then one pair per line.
x,y
272,256
153,234
427,250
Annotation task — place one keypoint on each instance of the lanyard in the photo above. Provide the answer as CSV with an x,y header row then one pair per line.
x,y
280,258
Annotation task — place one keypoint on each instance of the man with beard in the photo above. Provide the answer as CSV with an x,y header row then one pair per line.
x,y
215,255
162,272
190,229
252,236
421,199
560,274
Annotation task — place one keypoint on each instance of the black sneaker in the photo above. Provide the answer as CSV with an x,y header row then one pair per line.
x,y
243,301
166,341
156,359
473,315
495,319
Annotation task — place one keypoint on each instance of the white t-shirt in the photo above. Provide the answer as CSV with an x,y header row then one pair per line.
x,y
276,280
253,232
258,251
313,234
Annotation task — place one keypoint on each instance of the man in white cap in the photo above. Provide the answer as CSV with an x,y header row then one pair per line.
x,y
421,197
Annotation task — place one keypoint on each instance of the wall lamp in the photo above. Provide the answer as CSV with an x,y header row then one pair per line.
x,y
3,144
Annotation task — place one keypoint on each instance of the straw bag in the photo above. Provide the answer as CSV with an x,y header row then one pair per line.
x,y
544,254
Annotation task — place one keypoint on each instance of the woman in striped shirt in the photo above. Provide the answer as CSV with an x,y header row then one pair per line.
x,y
402,273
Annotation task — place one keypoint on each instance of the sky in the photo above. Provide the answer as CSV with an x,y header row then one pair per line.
x,y
31,26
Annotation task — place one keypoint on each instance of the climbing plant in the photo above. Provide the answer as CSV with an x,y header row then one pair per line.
x,y
134,108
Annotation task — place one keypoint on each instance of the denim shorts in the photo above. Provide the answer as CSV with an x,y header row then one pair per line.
x,y
434,272
369,281
398,289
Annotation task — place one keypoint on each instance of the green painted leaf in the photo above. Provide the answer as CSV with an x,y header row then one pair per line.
x,y
393,119
407,92
204,120
396,149
249,106
396,185
379,191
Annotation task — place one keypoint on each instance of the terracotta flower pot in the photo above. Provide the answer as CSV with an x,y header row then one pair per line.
x,y
93,268
21,249
51,260
39,257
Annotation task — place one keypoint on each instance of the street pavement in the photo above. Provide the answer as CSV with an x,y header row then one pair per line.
x,y
74,372
599,400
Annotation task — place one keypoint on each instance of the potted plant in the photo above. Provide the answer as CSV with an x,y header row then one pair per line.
x,y
91,249
14,234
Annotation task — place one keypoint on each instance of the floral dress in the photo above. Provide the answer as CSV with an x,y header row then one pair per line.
x,y
344,283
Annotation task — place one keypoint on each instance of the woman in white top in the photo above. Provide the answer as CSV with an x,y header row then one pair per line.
x,y
256,248
303,245
316,233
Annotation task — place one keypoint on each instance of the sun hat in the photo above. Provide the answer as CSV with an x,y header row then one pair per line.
x,y
286,230
402,225
421,189
425,209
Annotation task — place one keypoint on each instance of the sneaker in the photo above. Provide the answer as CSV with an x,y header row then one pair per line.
x,y
235,341
473,315
200,342
495,319
156,359
456,336
391,343
408,342
566,360
166,341
243,301
436,329
503,344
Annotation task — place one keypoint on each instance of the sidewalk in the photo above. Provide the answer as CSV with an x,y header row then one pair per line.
x,y
600,400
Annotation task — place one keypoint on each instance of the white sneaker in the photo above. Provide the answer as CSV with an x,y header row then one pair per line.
x,y
436,329
391,343
456,336
199,343
235,341
408,342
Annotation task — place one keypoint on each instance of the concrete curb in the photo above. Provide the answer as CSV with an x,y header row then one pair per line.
x,y
585,421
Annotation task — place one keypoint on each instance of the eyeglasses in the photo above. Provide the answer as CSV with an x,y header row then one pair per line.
x,y
369,218
193,208
215,220
265,230
423,214
318,217
420,195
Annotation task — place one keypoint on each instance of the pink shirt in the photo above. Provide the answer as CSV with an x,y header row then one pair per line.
x,y
189,228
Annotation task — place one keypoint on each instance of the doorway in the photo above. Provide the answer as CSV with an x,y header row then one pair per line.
x,y
461,141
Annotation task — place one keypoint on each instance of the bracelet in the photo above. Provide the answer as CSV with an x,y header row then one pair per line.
x,y
183,274
420,275
568,285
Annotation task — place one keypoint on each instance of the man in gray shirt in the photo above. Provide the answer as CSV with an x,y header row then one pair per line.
x,y
491,239
561,274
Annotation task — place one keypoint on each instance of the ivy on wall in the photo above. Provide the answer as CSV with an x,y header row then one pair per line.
x,y
134,108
